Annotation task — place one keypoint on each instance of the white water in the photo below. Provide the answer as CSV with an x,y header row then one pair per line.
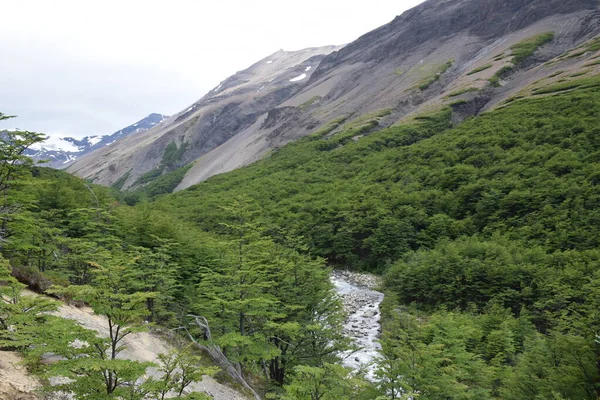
x,y
363,327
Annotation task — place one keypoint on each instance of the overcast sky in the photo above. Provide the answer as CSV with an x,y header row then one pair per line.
x,y
77,68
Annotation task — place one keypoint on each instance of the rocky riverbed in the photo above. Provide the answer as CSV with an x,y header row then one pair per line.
x,y
361,302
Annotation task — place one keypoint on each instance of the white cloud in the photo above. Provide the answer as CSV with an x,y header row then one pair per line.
x,y
87,68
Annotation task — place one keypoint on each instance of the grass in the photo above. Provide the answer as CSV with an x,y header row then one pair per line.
x,y
368,120
520,52
495,80
482,68
576,54
431,79
593,45
580,73
511,99
329,127
458,102
584,83
525,49
309,102
594,63
462,91
121,181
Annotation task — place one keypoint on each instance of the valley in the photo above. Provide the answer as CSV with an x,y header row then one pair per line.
x,y
415,214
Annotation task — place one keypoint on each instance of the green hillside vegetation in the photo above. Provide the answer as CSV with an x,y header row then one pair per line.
x,y
270,307
486,233
491,226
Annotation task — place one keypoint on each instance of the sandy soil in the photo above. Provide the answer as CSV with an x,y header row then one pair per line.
x,y
15,381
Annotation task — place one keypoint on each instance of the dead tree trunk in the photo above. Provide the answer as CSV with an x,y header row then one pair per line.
x,y
217,355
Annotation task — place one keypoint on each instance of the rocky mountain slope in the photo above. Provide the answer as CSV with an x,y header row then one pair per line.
x,y
472,54
61,152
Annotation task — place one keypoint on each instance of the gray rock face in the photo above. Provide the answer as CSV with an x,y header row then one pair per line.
x,y
231,108
438,19
291,94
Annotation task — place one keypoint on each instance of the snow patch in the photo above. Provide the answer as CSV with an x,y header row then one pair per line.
x,y
269,62
308,68
218,87
95,140
53,143
261,88
69,159
189,109
298,78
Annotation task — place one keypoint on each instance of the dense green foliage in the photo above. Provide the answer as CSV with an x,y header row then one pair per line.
x,y
487,234
269,307
495,219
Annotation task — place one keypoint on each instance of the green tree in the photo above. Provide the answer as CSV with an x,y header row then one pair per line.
x,y
270,308
328,382
179,369
101,373
156,272
15,171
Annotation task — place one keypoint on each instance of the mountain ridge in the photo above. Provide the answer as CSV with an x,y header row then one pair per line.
x,y
410,65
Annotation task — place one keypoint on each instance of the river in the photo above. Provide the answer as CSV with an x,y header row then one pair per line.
x,y
361,302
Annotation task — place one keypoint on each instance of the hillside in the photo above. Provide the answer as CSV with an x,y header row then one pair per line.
x,y
484,230
419,61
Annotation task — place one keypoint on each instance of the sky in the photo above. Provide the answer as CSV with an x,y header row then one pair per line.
x,y
79,68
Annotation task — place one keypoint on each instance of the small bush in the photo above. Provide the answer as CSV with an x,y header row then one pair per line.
x,y
525,49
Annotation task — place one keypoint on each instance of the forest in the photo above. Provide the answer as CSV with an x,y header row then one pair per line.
x,y
485,233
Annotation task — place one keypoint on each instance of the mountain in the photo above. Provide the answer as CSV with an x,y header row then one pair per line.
x,y
238,105
476,53
61,152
